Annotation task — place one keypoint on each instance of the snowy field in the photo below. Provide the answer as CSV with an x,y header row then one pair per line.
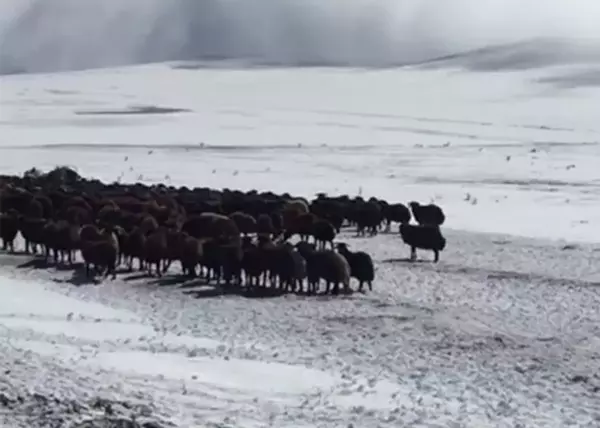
x,y
503,332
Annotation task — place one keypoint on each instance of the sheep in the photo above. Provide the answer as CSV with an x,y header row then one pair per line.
x,y
45,203
368,217
277,221
299,205
264,225
133,247
35,209
89,232
108,214
229,258
301,225
155,250
211,225
327,265
245,222
67,239
50,233
423,237
254,266
291,268
399,213
323,232
32,230
77,215
148,224
102,254
175,240
9,228
191,254
427,215
361,265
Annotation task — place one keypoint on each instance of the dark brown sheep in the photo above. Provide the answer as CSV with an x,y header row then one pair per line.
x,y
101,254
211,225
133,248
35,209
148,224
32,230
66,241
76,214
244,222
302,226
156,250
192,251
9,228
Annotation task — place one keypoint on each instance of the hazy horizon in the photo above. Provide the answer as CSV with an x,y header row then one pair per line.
x,y
51,35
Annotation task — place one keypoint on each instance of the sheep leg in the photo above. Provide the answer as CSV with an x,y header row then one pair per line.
x,y
413,254
360,286
370,283
336,288
111,269
436,256
167,265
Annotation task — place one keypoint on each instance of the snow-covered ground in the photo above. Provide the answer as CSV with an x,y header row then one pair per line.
x,y
503,332
499,151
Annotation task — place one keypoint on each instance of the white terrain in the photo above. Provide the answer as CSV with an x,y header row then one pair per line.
x,y
503,332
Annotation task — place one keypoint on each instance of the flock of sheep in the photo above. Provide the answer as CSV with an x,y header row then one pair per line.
x,y
233,237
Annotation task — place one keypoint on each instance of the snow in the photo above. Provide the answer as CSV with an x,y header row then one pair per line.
x,y
502,332
498,150
98,339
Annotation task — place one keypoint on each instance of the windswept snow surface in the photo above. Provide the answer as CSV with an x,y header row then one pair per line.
x,y
501,333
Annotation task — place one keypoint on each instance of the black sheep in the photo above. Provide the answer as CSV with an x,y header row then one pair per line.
x,y
361,265
323,232
428,215
254,266
245,222
327,265
398,213
264,225
9,228
368,217
424,238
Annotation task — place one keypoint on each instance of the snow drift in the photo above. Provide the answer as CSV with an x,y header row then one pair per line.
x,y
47,35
